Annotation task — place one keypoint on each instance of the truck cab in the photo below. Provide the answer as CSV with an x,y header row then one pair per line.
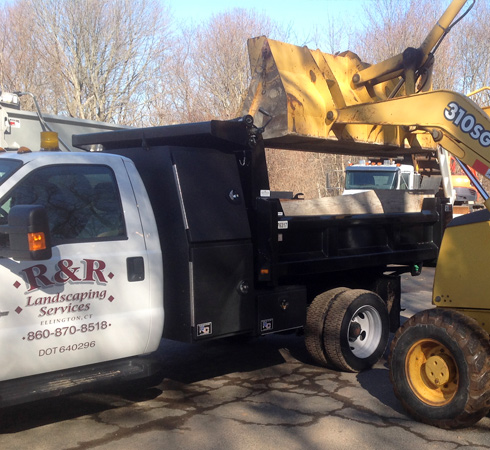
x,y
95,297
387,175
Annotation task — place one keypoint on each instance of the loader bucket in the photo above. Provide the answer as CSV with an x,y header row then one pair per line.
x,y
302,89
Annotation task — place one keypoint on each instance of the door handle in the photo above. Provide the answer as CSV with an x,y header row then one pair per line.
x,y
136,268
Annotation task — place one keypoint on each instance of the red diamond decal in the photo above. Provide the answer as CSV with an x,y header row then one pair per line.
x,y
111,299
18,310
111,275
16,285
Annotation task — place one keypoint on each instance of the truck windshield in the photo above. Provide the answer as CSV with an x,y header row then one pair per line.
x,y
7,168
369,179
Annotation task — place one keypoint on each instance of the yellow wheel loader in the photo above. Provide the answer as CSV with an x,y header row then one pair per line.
x,y
440,358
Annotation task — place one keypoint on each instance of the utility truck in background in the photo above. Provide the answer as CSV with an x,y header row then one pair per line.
x,y
429,171
443,179
172,231
19,128
366,175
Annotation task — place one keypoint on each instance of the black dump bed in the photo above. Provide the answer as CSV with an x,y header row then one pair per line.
x,y
225,241
346,234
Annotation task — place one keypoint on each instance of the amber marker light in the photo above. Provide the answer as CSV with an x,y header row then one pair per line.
x,y
37,241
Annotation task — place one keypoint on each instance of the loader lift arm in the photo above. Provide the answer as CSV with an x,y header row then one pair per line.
x,y
413,62
454,121
339,104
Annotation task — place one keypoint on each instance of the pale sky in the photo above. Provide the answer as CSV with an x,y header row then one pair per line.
x,y
301,15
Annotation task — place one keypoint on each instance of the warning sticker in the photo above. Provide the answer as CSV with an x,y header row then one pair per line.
x,y
481,168
14,123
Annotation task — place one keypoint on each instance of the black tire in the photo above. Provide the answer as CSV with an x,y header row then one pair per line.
x,y
456,395
356,330
315,320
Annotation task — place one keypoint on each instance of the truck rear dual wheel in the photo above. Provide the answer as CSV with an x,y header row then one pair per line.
x,y
440,368
347,329
315,321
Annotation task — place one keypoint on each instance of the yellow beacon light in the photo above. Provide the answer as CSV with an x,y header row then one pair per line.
x,y
49,141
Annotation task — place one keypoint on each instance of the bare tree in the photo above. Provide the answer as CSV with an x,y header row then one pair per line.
x,y
471,51
98,58
210,69
333,36
221,62
19,68
177,98
393,25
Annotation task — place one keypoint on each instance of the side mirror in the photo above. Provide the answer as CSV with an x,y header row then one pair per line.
x,y
28,231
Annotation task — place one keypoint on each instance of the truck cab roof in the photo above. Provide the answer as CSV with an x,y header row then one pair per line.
x,y
26,157
381,167
11,162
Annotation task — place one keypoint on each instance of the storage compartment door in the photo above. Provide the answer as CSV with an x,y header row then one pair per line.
x,y
222,304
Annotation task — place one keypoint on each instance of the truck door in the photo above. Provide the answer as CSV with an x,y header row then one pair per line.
x,y
91,301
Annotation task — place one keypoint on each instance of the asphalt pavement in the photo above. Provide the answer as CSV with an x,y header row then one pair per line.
x,y
225,395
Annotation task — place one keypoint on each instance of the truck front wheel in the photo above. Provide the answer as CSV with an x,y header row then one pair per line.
x,y
440,368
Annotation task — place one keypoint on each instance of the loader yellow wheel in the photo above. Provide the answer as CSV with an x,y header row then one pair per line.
x,y
432,372
440,368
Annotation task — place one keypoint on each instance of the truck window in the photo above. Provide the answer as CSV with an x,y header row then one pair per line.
x,y
82,201
405,180
7,168
370,179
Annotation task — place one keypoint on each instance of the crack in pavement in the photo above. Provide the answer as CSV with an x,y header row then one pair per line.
x,y
287,402
291,395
